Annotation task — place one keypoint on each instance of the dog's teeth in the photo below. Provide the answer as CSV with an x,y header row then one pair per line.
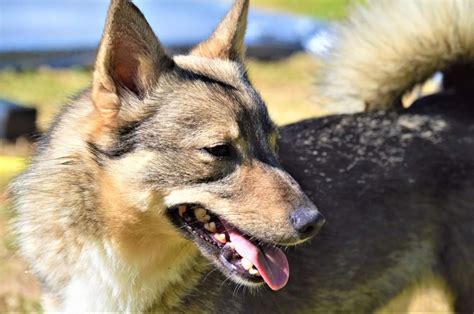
x,y
211,226
206,218
181,210
253,271
220,237
246,264
200,213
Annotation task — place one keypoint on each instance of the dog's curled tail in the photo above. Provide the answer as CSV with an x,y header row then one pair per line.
x,y
384,49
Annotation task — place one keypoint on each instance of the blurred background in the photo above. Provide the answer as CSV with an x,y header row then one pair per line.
x,y
47,48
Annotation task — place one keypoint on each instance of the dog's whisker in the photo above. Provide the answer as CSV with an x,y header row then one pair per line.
x,y
209,273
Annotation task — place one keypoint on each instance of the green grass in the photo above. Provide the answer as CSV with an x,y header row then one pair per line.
x,y
322,9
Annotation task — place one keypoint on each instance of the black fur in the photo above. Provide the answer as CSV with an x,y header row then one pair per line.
x,y
388,182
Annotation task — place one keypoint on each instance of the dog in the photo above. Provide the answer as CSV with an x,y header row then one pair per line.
x,y
169,168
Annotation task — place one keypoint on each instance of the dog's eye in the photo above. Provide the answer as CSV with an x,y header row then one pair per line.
x,y
219,151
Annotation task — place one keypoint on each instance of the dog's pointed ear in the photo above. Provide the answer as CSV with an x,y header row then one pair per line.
x,y
227,41
130,58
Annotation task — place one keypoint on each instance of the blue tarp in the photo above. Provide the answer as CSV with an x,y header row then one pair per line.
x,y
66,32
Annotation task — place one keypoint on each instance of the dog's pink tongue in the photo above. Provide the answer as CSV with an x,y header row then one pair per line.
x,y
271,262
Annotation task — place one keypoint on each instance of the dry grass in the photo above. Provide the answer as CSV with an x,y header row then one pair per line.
x,y
44,89
287,88
285,85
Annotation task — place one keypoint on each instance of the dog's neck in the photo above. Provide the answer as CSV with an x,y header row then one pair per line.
x,y
140,261
136,259
106,281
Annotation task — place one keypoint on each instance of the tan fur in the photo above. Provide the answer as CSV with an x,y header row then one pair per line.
x,y
226,42
135,219
130,56
94,208
103,215
261,207
430,294
386,48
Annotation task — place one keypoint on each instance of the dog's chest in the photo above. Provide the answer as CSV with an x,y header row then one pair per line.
x,y
104,282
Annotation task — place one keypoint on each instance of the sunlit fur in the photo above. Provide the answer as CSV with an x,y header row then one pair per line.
x,y
397,186
387,47
92,206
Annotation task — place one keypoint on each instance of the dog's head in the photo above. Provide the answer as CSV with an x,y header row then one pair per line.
x,y
188,140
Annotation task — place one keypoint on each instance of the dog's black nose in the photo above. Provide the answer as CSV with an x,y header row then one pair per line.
x,y
307,222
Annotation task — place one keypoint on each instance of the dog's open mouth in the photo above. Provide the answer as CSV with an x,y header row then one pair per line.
x,y
251,261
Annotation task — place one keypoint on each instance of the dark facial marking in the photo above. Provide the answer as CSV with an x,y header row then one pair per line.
x,y
193,76
125,143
